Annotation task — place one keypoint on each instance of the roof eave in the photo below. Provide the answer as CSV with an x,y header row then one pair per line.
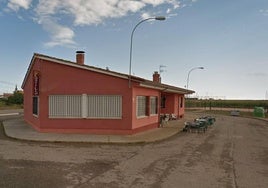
x,y
165,88
72,64
142,82
28,71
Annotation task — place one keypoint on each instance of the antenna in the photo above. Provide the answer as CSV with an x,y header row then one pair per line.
x,y
161,68
7,83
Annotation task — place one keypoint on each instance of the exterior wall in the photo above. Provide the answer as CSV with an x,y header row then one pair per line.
x,y
28,103
64,80
59,79
150,121
173,105
169,104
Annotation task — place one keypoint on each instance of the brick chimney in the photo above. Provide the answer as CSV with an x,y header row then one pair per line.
x,y
80,57
156,77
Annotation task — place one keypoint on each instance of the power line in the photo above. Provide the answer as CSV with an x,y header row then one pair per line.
x,y
7,87
7,83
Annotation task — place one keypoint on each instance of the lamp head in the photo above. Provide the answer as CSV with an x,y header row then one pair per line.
x,y
161,18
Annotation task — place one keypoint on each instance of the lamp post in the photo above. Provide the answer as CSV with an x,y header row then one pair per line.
x,y
189,74
160,18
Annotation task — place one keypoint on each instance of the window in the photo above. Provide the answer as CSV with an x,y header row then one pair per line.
x,y
104,106
65,106
85,106
141,106
163,101
181,102
153,105
35,105
35,89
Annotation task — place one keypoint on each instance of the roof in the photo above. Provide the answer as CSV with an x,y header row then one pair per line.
x,y
141,81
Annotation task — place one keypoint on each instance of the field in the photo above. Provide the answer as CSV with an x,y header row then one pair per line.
x,y
246,107
245,104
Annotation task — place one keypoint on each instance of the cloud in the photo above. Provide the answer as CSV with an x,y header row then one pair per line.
x,y
153,2
264,12
52,14
146,15
17,4
60,35
95,12
168,11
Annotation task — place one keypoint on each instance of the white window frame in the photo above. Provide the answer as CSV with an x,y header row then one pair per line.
x,y
153,105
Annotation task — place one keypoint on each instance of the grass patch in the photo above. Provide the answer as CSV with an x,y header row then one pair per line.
x,y
224,112
4,106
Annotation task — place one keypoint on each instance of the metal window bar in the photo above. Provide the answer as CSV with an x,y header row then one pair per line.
x,y
141,106
65,106
104,106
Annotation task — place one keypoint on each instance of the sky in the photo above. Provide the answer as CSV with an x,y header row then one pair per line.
x,y
229,38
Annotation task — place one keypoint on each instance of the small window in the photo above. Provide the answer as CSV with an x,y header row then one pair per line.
x,y
153,105
35,105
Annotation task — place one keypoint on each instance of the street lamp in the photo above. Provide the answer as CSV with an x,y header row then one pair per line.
x,y
160,18
189,74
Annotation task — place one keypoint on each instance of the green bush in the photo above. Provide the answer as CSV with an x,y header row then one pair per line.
x,y
16,98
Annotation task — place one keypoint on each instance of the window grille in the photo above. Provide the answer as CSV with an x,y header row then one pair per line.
x,y
153,105
104,106
65,106
97,106
141,106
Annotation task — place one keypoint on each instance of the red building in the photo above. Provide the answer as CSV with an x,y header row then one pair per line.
x,y
64,96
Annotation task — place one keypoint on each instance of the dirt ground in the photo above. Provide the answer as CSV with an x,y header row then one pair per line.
x,y
232,153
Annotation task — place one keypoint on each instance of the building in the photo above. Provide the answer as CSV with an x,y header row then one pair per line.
x,y
65,96
6,95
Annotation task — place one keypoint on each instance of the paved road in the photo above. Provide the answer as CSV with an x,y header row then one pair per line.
x,y
233,153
